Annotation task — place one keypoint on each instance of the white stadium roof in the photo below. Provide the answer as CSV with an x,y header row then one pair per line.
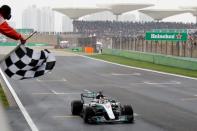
x,y
159,14
75,13
193,9
119,9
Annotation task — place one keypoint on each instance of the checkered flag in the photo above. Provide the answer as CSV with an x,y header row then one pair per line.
x,y
25,63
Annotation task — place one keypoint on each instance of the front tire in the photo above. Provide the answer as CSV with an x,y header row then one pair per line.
x,y
127,110
88,114
76,107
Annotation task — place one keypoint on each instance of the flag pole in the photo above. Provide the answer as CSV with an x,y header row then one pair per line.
x,y
31,35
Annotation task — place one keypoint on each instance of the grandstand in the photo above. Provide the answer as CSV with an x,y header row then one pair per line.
x,y
123,28
126,29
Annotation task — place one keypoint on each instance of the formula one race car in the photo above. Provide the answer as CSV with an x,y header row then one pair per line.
x,y
96,108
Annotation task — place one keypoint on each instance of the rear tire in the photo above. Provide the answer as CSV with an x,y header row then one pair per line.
x,y
127,110
76,107
88,114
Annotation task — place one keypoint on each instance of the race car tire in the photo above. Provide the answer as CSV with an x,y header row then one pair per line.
x,y
88,114
127,110
76,107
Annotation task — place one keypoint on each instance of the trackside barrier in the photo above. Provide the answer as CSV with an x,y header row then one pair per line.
x,y
19,103
28,44
180,62
76,49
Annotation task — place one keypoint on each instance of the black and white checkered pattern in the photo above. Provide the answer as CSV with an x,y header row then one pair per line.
x,y
25,63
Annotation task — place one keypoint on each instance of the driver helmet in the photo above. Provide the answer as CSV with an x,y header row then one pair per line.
x,y
99,95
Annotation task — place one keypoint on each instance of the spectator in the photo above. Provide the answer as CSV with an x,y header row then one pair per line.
x,y
113,28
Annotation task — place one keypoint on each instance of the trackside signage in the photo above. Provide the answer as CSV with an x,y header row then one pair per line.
x,y
166,36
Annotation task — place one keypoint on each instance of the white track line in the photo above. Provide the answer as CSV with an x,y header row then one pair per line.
x,y
63,93
189,99
42,93
20,105
139,68
164,83
53,92
118,74
57,93
62,80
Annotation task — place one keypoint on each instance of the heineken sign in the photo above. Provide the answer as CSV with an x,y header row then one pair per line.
x,y
166,36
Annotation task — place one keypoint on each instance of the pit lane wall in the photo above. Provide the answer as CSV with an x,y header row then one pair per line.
x,y
180,62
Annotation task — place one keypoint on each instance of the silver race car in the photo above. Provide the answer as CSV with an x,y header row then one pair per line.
x,y
96,108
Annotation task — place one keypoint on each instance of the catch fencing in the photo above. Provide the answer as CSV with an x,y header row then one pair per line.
x,y
174,48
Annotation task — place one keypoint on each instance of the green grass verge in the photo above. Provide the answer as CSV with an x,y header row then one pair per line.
x,y
3,98
146,65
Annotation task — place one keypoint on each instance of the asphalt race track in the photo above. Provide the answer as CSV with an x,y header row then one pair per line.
x,y
161,102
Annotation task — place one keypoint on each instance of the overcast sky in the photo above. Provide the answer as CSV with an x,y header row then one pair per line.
x,y
19,5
